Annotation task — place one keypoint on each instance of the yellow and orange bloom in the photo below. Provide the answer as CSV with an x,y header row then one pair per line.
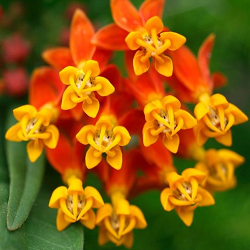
x,y
104,137
219,166
165,118
143,31
75,204
82,85
34,126
116,223
185,195
215,117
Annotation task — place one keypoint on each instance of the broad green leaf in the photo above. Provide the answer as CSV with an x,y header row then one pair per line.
x,y
25,181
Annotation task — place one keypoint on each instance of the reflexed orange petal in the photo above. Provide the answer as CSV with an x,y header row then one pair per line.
x,y
102,56
125,15
204,56
150,8
59,57
218,80
164,66
111,37
45,86
81,33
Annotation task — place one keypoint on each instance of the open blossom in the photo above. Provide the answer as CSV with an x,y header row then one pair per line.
x,y
165,118
219,166
116,223
82,85
142,31
34,126
216,116
104,137
75,204
185,195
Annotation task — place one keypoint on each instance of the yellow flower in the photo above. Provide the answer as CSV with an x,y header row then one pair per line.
x,y
219,166
165,118
104,137
215,116
117,222
185,195
82,85
152,42
33,126
75,204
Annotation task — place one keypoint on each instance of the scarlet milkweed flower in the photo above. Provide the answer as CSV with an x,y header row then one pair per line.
x,y
185,195
219,166
143,31
215,116
79,67
34,126
117,221
75,204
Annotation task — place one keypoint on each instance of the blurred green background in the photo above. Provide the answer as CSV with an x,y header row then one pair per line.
x,y
225,225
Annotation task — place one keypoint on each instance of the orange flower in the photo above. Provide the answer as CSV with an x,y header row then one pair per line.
x,y
142,31
185,195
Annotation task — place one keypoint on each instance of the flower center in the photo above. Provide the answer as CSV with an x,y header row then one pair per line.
x,y
180,195
34,126
115,222
216,121
79,203
84,82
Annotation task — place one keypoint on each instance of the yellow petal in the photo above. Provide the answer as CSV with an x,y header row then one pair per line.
x,y
35,149
122,207
200,110
164,65
189,120
84,213
103,212
123,132
229,155
12,133
60,192
198,175
154,23
75,186
116,160
207,198
107,87
67,102
82,135
186,215
239,116
61,223
176,39
66,73
140,219
173,144
150,108
148,138
20,112
172,101
90,222
132,38
130,226
91,109
91,159
219,100
173,178
52,141
139,66
93,66
165,194
225,139
46,114
201,138
97,199
102,236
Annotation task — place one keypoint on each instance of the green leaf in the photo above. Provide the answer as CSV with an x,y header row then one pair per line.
x,y
25,182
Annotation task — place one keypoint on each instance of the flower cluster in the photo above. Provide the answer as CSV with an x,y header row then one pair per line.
x,y
81,108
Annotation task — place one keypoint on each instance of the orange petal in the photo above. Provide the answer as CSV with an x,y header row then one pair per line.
x,y
102,56
45,86
81,32
111,37
218,80
150,8
204,56
59,57
125,15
